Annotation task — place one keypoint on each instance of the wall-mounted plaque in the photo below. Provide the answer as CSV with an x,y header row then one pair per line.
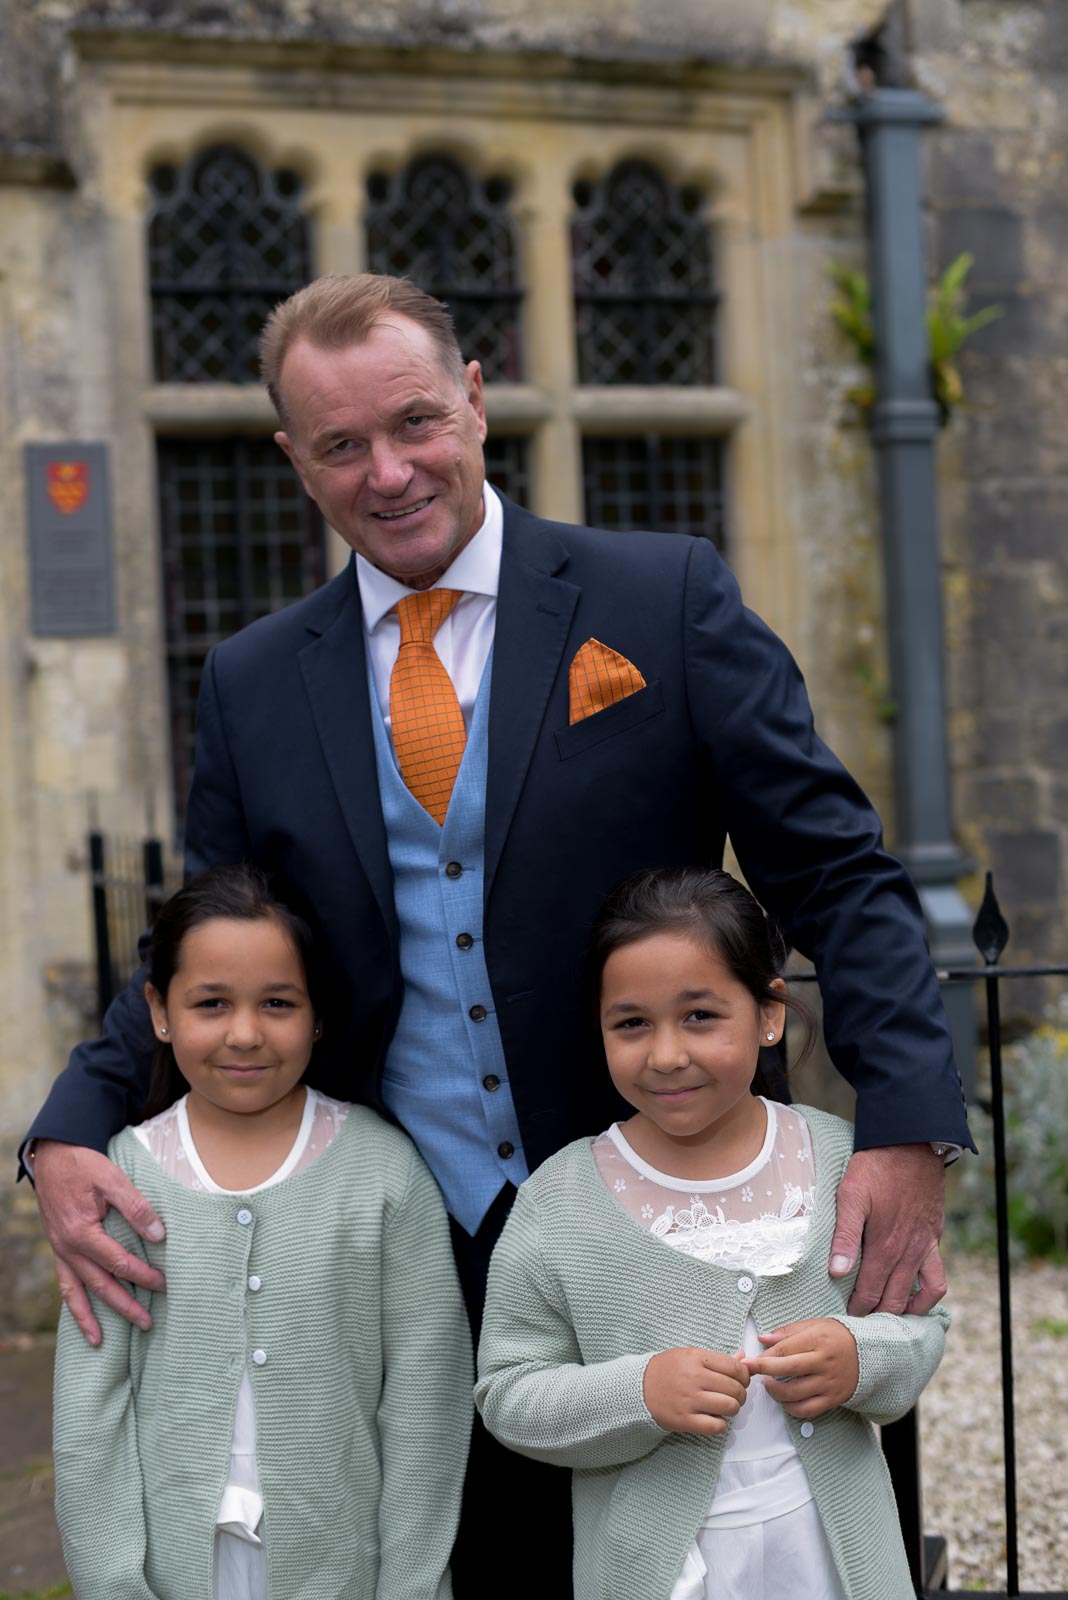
x,y
72,579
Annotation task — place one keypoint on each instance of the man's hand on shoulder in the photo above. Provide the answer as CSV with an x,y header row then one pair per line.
x,y
895,1199
76,1188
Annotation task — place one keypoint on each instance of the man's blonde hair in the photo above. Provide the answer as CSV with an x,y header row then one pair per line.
x,y
337,311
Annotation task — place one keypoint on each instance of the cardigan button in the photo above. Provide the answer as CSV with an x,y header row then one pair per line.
x,y
259,1357
255,1284
745,1283
807,1430
244,1216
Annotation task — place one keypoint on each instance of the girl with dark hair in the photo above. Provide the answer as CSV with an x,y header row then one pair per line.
x,y
659,1314
301,1403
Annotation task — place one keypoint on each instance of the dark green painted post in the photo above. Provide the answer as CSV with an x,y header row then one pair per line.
x,y
905,427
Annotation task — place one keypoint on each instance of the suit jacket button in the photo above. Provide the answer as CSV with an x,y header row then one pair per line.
x,y
491,1082
477,1013
464,940
453,870
505,1150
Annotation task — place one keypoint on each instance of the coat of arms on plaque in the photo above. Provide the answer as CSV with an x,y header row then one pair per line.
x,y
68,485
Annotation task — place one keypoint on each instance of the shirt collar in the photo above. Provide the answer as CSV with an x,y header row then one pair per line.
x,y
476,570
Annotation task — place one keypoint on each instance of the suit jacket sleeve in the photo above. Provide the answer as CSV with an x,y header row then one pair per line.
x,y
105,1081
811,848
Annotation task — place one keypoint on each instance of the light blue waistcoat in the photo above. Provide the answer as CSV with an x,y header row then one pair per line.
x,y
445,1078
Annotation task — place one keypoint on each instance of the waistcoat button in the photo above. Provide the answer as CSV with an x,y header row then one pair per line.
x,y
504,1150
491,1082
477,1013
464,940
453,870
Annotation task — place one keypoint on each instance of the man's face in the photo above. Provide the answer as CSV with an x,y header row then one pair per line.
x,y
388,446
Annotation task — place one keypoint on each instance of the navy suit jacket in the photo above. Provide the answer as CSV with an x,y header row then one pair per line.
x,y
720,741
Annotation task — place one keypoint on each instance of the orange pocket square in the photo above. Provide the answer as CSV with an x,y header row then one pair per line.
x,y
598,678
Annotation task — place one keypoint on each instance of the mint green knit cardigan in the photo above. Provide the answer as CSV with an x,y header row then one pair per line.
x,y
580,1296
363,1405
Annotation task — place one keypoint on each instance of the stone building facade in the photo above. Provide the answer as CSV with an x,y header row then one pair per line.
x,y
119,117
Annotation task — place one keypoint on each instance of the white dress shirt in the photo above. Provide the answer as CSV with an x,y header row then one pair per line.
x,y
465,638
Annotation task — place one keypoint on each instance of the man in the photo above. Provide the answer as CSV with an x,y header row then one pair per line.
x,y
455,784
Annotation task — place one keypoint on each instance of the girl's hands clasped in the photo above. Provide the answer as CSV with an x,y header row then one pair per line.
x,y
695,1391
818,1356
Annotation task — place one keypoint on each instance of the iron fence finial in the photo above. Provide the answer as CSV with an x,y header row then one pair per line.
x,y
990,931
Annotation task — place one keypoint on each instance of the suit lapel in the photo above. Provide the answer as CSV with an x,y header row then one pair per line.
x,y
534,612
334,665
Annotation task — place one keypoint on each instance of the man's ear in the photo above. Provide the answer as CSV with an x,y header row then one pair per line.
x,y
286,444
474,395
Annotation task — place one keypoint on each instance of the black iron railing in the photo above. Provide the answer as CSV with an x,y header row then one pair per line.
x,y
129,879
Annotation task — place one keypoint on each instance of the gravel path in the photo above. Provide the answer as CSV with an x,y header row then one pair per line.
x,y
960,1416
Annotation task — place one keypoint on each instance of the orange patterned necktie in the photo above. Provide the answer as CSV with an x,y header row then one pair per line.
x,y
428,725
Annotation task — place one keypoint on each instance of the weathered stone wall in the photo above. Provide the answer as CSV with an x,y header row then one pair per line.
x,y
995,179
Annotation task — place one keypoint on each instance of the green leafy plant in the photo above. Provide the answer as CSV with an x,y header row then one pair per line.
x,y
1035,1072
851,310
947,328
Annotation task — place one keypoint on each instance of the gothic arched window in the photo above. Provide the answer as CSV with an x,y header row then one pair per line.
x,y
642,271
452,235
226,241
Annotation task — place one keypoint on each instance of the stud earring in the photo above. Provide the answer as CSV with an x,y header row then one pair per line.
x,y
317,1031
771,1037
163,1027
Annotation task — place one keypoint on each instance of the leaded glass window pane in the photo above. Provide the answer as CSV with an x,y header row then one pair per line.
x,y
507,467
648,481
226,241
452,235
240,539
642,267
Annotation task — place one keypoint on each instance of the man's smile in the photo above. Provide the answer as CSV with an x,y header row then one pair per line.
x,y
407,511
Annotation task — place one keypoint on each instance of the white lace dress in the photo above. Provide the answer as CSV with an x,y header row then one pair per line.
x,y
761,1538
240,1564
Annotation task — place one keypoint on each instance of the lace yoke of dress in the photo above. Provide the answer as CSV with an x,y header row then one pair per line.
x,y
167,1138
755,1219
